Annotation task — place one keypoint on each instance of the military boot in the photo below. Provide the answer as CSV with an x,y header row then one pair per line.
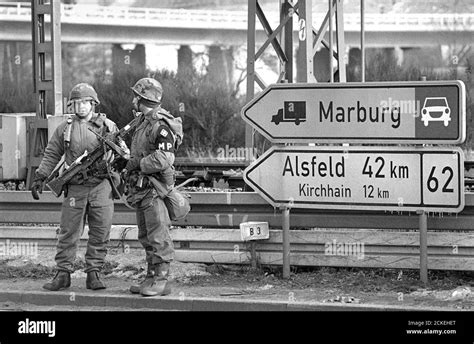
x,y
159,284
135,288
61,280
93,281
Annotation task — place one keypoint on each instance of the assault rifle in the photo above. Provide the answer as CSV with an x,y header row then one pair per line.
x,y
83,164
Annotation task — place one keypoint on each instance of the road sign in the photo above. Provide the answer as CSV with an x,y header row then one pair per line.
x,y
366,178
254,231
382,112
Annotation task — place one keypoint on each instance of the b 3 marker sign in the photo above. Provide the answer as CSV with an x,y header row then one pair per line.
x,y
366,178
382,112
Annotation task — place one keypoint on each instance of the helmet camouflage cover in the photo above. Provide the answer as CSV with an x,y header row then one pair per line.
x,y
149,89
83,91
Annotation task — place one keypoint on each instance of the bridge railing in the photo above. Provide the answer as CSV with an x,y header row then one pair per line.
x,y
20,9
416,21
225,19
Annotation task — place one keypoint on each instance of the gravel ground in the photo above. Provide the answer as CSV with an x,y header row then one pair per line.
x,y
450,290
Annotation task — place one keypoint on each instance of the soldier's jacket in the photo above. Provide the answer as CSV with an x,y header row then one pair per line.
x,y
155,141
80,139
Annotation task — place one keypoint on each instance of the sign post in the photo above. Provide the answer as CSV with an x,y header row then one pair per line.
x,y
423,226
286,241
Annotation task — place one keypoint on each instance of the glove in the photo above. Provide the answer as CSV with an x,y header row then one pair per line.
x,y
124,175
133,164
124,147
36,187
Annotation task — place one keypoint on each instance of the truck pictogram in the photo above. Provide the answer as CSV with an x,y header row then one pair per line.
x,y
293,111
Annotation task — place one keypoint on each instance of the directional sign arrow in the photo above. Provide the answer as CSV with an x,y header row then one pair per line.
x,y
382,112
366,178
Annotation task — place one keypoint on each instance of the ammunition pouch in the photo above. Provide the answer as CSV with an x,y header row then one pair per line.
x,y
177,202
137,181
89,177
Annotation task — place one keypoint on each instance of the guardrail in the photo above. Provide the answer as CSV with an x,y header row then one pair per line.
x,y
225,19
330,238
368,248
229,209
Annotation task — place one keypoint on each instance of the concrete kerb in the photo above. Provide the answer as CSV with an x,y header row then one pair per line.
x,y
110,301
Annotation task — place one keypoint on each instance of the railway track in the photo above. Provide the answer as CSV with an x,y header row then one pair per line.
x,y
212,173
229,174
222,175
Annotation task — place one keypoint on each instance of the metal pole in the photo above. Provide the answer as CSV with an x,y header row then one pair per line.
x,y
56,57
253,254
331,44
362,40
305,35
423,224
287,39
341,46
286,241
252,8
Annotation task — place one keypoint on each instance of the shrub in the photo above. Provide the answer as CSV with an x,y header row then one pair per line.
x,y
209,112
384,67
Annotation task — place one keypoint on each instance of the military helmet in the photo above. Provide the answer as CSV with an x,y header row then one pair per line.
x,y
149,89
83,90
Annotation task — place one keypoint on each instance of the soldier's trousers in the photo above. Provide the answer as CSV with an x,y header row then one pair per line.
x,y
95,205
153,229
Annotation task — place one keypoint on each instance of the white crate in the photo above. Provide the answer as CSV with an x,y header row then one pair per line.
x,y
13,145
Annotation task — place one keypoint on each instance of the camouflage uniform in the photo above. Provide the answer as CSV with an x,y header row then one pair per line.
x,y
154,143
85,200
152,154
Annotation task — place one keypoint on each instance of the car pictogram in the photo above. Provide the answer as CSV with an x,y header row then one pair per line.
x,y
436,109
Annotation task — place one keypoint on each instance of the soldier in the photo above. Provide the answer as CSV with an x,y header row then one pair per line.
x,y
152,156
86,197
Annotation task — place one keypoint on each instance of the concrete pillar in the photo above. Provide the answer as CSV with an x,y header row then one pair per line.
x,y
221,65
185,60
216,64
411,55
128,60
354,67
321,65
229,63
389,53
2,62
7,70
14,56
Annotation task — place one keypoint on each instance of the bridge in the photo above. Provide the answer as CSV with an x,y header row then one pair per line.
x,y
108,24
